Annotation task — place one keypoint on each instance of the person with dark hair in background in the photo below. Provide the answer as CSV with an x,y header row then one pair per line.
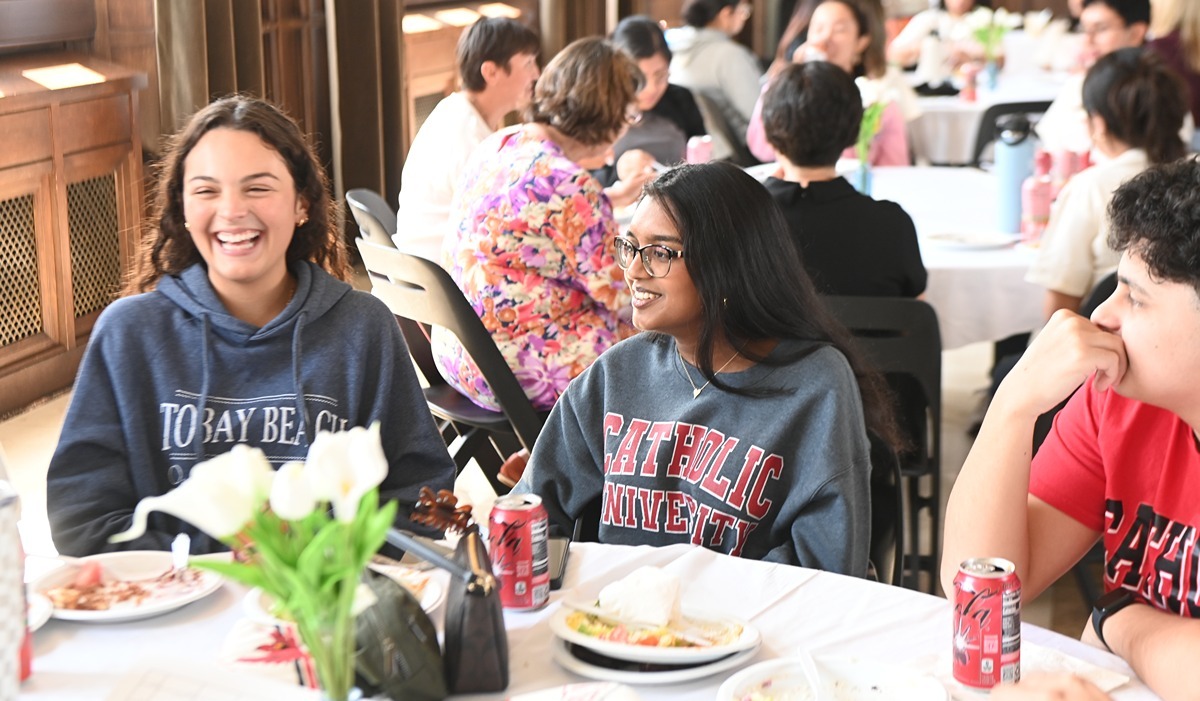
x,y
706,60
1121,464
533,247
237,327
1136,106
497,62
849,34
669,112
735,420
849,243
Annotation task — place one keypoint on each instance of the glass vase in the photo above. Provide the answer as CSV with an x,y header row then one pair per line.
x,y
991,73
861,178
329,636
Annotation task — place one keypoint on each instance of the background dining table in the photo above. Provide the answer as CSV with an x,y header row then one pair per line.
x,y
794,609
945,131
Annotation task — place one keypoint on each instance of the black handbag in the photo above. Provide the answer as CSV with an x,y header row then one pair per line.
x,y
398,653
476,643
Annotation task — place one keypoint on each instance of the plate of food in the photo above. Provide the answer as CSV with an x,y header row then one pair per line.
x,y
639,618
586,662
260,607
122,586
38,611
978,241
839,678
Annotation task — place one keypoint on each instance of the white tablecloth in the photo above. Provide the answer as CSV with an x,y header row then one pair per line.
x,y
946,130
793,608
979,295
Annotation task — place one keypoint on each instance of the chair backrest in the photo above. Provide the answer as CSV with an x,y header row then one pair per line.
x,y
987,124
899,336
421,290
717,124
887,514
376,218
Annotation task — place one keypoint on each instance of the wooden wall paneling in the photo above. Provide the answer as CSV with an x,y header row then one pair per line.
x,y
356,94
220,49
180,56
35,181
392,95
125,35
248,48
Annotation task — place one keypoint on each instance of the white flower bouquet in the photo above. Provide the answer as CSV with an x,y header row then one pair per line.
x,y
309,559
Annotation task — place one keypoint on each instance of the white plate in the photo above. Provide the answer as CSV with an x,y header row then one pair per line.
x,y
39,611
972,242
257,603
842,679
749,639
131,565
565,658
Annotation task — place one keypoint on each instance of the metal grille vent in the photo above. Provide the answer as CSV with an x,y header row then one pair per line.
x,y
423,105
95,246
19,287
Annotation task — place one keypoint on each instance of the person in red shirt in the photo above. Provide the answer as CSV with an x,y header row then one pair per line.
x,y
1122,462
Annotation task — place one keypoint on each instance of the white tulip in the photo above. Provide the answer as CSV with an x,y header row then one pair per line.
x,y
291,495
343,466
869,89
218,497
980,18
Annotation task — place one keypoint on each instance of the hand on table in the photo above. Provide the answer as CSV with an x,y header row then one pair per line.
x,y
1068,350
1048,687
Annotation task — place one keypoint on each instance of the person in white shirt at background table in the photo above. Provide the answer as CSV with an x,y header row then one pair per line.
x,y
1135,106
1122,462
1106,25
949,22
707,60
497,62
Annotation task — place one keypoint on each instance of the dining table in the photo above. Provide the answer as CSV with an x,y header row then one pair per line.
x,y
945,131
976,280
793,609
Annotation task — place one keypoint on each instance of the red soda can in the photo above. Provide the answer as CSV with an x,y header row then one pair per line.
x,y
518,544
970,74
987,623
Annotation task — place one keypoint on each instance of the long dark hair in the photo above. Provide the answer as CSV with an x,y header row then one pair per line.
x,y
167,247
751,282
1142,102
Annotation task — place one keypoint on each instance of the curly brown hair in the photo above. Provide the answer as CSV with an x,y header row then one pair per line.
x,y
1156,215
585,91
167,247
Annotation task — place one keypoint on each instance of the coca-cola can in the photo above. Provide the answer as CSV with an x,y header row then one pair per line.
x,y
987,623
699,149
14,627
518,544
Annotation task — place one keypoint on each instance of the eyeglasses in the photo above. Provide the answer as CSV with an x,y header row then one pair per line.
x,y
632,115
656,258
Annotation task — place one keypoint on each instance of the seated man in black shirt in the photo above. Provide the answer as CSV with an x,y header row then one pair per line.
x,y
850,244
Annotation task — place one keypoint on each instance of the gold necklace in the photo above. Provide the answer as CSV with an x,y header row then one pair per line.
x,y
697,390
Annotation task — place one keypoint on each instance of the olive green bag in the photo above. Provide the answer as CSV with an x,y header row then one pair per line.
x,y
398,652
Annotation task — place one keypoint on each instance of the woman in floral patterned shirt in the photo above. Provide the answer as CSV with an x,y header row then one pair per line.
x,y
533,251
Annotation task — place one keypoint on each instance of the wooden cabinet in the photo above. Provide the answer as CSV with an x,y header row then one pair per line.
x,y
70,206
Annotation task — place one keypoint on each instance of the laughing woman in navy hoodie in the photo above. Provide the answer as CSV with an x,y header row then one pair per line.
x,y
236,327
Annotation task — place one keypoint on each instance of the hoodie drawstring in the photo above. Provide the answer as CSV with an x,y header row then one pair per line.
x,y
301,405
205,384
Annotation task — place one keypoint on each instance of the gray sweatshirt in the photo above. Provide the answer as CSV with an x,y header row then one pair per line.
x,y
783,478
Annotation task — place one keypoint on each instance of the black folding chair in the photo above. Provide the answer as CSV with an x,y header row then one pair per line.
x,y
423,292
900,338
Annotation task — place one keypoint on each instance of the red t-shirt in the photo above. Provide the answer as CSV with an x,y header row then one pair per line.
x,y
1132,471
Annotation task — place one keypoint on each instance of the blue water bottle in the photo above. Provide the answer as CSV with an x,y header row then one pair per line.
x,y
1014,163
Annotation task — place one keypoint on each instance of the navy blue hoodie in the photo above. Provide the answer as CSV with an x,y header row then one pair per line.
x,y
333,359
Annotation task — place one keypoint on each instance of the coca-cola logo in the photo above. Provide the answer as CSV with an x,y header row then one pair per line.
x,y
507,540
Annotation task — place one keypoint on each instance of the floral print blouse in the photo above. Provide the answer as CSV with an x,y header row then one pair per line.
x,y
533,254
